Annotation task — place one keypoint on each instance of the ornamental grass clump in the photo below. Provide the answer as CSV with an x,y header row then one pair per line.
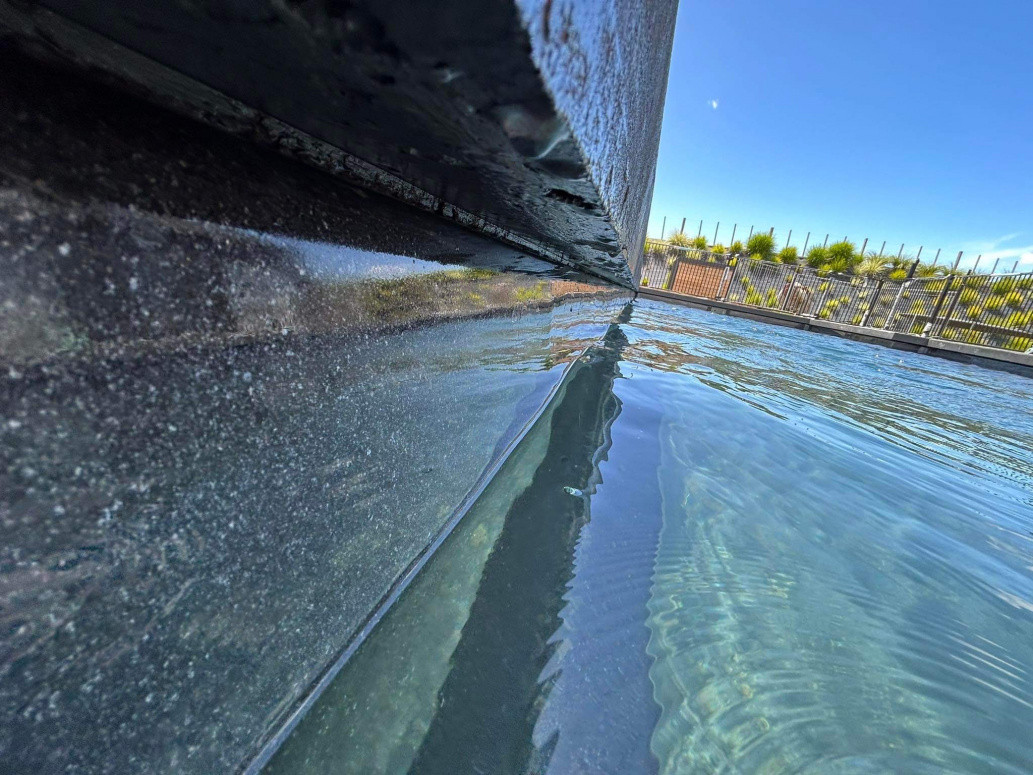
x,y
788,255
680,239
762,245
817,256
700,242
736,247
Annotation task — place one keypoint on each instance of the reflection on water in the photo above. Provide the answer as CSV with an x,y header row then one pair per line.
x,y
843,581
217,457
802,554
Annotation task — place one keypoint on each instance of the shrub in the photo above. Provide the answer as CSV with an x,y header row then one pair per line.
x,y
872,265
718,248
788,255
995,304
898,275
645,282
817,256
772,297
733,262
700,242
838,264
756,257
754,298
1025,284
1019,319
680,239
974,311
1004,287
843,254
823,287
967,296
736,247
857,319
928,270
1021,343
1014,299
761,244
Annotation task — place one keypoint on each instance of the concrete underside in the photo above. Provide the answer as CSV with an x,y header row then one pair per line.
x,y
991,357
534,122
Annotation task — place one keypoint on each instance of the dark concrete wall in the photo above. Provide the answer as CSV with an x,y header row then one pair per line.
x,y
238,399
439,102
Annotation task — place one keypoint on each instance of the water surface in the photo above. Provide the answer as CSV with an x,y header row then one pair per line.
x,y
792,553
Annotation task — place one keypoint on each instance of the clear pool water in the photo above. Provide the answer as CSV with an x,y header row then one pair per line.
x,y
791,553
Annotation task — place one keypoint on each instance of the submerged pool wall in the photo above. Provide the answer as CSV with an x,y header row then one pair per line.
x,y
248,378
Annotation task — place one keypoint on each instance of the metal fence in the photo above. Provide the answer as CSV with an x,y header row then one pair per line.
x,y
990,310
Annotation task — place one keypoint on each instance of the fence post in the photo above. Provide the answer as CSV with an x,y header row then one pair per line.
x,y
994,267
975,266
865,245
663,229
937,256
672,274
958,260
682,225
826,241
882,249
804,252
751,234
734,227
789,237
715,233
731,280
871,305
698,233
928,330
896,301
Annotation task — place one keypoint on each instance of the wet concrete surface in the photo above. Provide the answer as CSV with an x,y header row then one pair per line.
x,y
237,399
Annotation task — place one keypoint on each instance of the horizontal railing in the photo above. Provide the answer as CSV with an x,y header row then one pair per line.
x,y
994,310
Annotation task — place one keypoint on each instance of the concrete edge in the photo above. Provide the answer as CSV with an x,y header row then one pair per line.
x,y
987,357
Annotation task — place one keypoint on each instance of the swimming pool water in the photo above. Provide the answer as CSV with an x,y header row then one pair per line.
x,y
790,553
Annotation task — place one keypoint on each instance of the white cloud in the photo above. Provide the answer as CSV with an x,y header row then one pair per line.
x,y
713,104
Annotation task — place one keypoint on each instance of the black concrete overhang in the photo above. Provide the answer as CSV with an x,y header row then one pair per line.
x,y
479,111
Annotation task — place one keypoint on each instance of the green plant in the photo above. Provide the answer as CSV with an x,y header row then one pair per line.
x,y
680,239
995,304
838,264
843,254
1025,284
645,282
974,311
857,319
754,298
1019,319
1021,343
761,244
1014,299
898,275
700,242
718,248
1004,287
823,287
788,255
733,262
772,298
967,296
928,270
872,265
756,257
736,247
817,256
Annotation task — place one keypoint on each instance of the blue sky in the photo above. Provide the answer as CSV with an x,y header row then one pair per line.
x,y
909,121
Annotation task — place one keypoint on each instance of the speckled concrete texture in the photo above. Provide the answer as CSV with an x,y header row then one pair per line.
x,y
439,103
237,399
